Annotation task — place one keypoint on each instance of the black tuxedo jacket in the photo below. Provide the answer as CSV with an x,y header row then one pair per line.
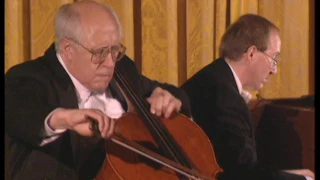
x,y
35,88
218,107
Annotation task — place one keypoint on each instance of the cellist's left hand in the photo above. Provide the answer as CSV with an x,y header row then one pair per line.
x,y
163,103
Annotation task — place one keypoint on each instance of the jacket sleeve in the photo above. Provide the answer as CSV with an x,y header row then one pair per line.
x,y
26,108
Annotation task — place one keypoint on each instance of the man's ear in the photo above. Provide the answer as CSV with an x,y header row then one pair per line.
x,y
65,48
250,53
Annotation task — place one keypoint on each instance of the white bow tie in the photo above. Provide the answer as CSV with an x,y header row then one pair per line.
x,y
111,108
246,96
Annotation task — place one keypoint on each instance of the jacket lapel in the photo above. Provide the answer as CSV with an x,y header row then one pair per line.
x,y
66,93
232,82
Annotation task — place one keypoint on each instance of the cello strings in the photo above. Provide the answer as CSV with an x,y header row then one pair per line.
x,y
183,170
152,122
141,107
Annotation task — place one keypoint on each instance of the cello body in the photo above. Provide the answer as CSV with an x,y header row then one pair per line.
x,y
122,163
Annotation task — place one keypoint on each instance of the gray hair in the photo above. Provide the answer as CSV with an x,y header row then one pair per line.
x,y
68,24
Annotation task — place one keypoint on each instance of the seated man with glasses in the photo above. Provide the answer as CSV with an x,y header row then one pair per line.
x,y
50,101
249,51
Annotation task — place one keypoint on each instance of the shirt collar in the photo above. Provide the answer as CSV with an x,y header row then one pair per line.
x,y
239,85
82,92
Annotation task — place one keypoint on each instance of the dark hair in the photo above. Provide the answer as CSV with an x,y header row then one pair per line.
x,y
248,30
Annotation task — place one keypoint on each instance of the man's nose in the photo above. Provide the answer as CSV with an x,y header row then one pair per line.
x,y
109,61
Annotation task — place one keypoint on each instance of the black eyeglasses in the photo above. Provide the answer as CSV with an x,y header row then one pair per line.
x,y
275,60
99,56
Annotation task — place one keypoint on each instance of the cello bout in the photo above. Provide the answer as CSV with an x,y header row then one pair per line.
x,y
122,163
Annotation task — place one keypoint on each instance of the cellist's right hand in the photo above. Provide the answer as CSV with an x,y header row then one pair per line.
x,y
302,172
76,120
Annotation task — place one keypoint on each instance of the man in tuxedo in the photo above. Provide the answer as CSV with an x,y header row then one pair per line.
x,y
49,100
250,51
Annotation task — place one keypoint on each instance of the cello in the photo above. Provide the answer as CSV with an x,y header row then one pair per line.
x,y
145,146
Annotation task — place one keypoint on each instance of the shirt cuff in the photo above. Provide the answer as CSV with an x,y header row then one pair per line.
x,y
48,130
308,178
